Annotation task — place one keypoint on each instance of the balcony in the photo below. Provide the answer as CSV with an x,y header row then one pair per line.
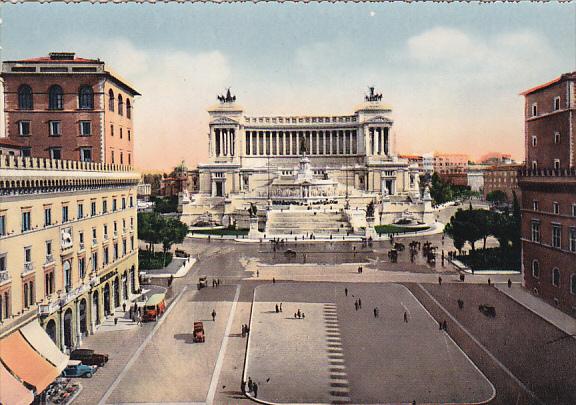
x,y
49,259
115,234
28,266
47,309
105,236
4,276
94,241
81,245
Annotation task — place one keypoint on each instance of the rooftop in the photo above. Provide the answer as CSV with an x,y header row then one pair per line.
x,y
10,143
565,76
57,57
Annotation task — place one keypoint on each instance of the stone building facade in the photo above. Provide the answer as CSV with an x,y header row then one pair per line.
x,y
503,178
344,161
64,107
548,184
68,244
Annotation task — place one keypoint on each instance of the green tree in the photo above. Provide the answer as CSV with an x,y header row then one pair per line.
x,y
148,225
497,196
171,231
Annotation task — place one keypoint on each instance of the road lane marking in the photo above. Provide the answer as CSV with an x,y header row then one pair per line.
x,y
223,345
140,349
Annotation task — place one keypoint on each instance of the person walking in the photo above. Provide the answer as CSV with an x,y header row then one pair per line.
x,y
356,305
139,320
280,307
124,305
255,389
257,273
489,281
359,303
277,308
346,292
439,280
405,317
303,315
444,325
439,325
509,283
213,315
250,384
299,313
273,280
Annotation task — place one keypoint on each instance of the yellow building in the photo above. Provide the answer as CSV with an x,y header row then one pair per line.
x,y
68,244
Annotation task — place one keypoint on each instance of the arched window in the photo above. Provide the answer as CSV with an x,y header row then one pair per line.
x,y
556,277
128,109
111,100
535,269
55,98
25,101
120,105
86,98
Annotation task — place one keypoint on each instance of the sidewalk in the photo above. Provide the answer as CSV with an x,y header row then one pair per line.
x,y
556,317
179,267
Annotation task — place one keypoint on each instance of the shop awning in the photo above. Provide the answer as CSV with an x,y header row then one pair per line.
x,y
12,391
41,342
25,363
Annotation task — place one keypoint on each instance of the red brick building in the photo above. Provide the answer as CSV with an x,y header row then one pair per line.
x,y
548,185
503,178
65,107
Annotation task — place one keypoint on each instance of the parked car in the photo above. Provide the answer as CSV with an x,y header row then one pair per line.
x,y
88,357
180,253
199,335
487,310
75,368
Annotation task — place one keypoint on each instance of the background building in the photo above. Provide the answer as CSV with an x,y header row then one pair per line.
x,y
64,107
450,163
548,185
68,244
496,158
503,178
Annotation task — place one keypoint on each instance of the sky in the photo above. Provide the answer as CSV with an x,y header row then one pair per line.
x,y
451,72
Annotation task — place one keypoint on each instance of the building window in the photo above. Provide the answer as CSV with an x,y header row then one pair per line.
x,y
534,140
121,158
47,216
123,203
555,207
80,211
94,261
111,100
86,154
26,221
121,133
67,275
65,214
104,206
112,157
106,256
55,128
2,225
556,236
120,105
48,250
534,165
128,109
556,103
129,159
573,284
132,203
81,267
86,98
24,128
81,239
129,135
556,137
572,236
111,130
25,97
55,153
26,152
27,255
534,110
535,269
535,205
535,231
114,205
556,164
55,98
85,128
574,210
93,208
556,277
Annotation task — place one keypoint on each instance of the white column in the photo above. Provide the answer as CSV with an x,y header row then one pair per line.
x,y
317,142
297,142
337,133
277,141
350,142
324,143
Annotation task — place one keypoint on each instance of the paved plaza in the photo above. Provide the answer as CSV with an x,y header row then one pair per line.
x,y
341,354
336,354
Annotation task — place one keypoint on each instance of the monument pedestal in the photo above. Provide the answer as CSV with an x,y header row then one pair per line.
x,y
254,233
370,231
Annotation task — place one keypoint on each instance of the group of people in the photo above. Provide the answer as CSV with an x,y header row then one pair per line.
x,y
215,282
135,314
252,387
299,314
245,330
278,308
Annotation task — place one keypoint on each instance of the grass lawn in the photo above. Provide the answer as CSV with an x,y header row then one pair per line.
x,y
149,261
222,231
399,228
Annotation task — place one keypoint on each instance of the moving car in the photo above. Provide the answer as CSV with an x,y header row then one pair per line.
x,y
199,336
75,368
88,357
154,307
202,282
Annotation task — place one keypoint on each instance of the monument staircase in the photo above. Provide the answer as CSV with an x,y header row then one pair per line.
x,y
306,222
